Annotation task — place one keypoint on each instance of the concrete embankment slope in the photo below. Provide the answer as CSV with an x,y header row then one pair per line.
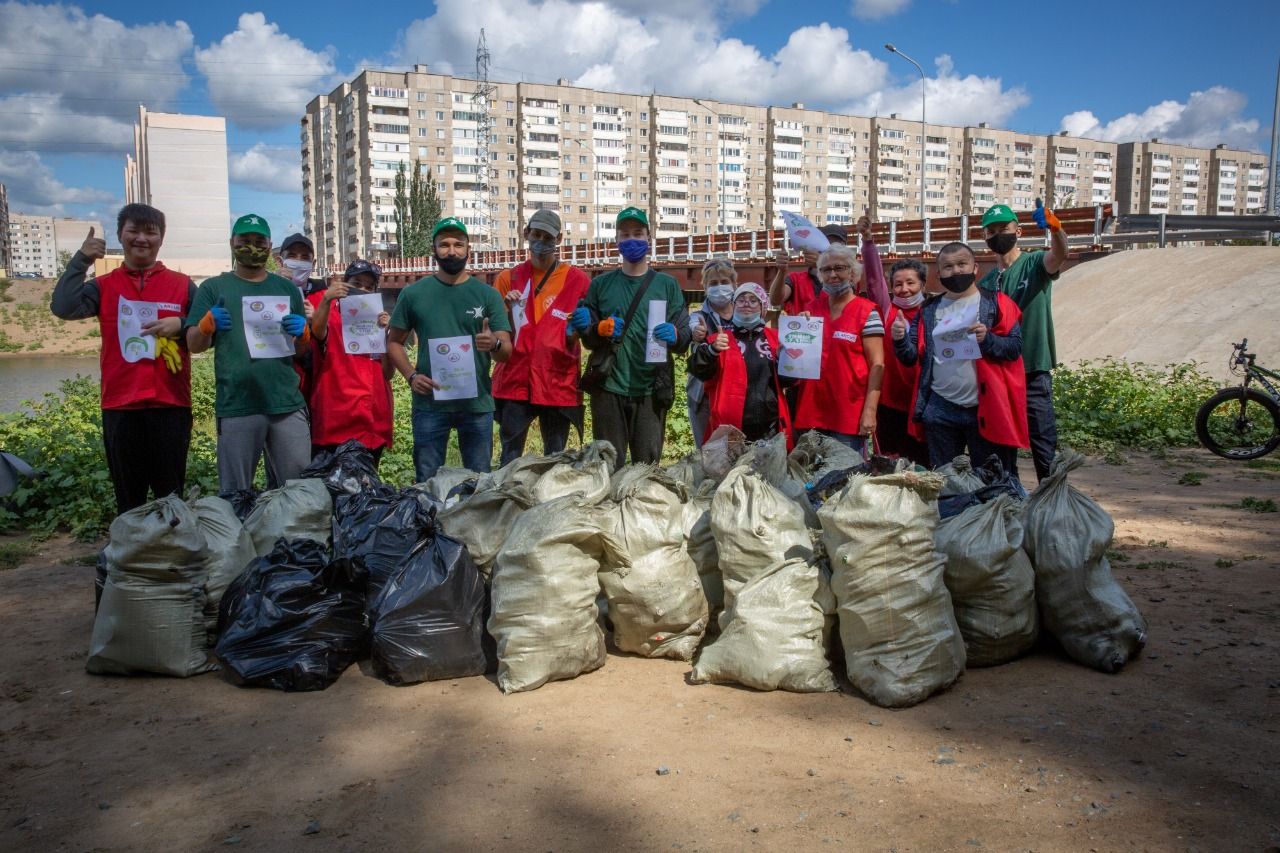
x,y
1161,306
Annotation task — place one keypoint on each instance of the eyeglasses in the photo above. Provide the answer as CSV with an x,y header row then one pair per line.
x,y
838,268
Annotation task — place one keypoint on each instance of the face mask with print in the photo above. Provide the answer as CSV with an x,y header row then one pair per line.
x,y
251,256
719,295
633,250
452,265
909,301
299,270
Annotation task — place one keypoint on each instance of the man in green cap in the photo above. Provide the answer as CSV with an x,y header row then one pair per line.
x,y
461,326
1027,278
254,321
630,409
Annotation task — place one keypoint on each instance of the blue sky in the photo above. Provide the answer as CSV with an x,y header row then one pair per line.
x,y
71,76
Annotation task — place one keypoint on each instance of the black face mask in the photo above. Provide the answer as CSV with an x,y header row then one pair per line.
x,y
452,265
1002,243
958,283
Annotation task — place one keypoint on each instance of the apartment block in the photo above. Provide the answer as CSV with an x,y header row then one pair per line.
x,y
1237,182
700,166
179,165
4,232
69,234
32,246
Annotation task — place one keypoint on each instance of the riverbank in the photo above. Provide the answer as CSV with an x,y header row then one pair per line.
x,y
27,326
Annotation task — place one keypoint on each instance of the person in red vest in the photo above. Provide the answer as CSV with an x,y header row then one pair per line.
x,y
897,433
738,366
793,291
540,380
350,387
842,402
146,372
965,398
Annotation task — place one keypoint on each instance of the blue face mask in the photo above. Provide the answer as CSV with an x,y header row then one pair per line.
x,y
633,250
719,295
747,321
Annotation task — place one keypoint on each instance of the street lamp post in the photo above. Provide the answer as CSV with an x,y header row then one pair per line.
x,y
923,126
595,189
719,162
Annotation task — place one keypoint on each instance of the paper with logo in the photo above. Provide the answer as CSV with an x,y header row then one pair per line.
x,y
801,342
803,234
453,367
952,340
261,316
135,346
518,317
656,351
361,334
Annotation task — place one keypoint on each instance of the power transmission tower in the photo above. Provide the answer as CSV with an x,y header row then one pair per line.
x,y
480,102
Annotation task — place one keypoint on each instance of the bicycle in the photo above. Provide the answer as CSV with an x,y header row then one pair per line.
x,y
1242,422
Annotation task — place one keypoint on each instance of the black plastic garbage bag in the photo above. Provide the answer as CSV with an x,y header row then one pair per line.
x,y
379,527
997,481
293,621
242,501
427,621
348,469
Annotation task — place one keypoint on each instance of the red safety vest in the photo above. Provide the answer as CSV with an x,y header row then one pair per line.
x,y
349,396
834,401
543,367
146,383
898,390
727,390
801,292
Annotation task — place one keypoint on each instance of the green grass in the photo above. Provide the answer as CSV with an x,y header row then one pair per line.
x,y
13,553
1192,478
1258,504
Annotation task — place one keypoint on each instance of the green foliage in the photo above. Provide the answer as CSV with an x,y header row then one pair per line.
x,y
1110,404
417,210
1192,478
12,553
64,258
1258,504
5,284
679,438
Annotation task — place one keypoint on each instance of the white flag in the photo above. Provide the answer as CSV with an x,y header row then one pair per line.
x,y
803,234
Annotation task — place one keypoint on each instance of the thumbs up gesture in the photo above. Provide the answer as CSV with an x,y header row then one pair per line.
x,y
899,327
93,247
721,342
485,339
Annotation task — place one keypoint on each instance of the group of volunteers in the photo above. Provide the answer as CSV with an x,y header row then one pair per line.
x,y
302,365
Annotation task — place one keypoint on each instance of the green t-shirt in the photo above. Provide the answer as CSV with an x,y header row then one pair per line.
x,y
432,309
610,294
1030,287
249,386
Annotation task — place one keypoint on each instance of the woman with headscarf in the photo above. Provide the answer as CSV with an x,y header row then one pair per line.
x,y
739,366
719,278
842,402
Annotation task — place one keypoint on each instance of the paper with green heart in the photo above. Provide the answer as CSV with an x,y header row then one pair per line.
x,y
800,339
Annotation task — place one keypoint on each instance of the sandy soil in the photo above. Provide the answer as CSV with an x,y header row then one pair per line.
x,y
1177,752
27,321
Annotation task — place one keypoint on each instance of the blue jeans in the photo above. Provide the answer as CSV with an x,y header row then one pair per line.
x,y
949,429
853,442
431,440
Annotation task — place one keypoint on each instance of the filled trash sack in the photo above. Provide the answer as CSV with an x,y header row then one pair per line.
x,y
816,455
721,450
483,521
300,509
700,545
347,469
1082,605
450,485
959,477
380,526
241,500
230,551
897,625
294,620
993,479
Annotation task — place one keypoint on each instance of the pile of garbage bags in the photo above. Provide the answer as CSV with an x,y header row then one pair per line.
x,y
758,567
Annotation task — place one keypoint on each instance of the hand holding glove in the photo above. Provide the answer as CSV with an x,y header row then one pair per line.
x,y
167,349
1045,218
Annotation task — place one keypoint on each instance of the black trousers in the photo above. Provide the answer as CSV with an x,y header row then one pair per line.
x,y
1042,422
633,425
514,419
146,449
893,438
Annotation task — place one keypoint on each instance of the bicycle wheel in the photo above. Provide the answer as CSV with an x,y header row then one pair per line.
x,y
1239,426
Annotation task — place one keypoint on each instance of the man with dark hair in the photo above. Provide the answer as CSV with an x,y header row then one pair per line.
x,y
630,412
461,324
254,321
146,374
1027,278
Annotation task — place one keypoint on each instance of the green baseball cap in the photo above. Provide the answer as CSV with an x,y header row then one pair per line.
x,y
451,223
632,213
998,213
251,223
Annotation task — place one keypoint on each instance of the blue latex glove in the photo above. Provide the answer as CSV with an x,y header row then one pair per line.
x,y
1045,218
293,324
665,332
580,319
221,317
617,327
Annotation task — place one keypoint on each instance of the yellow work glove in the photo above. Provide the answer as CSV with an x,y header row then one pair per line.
x,y
167,349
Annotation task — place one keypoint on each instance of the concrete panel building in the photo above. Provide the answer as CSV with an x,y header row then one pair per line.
x,y
179,165
32,246
69,234
1237,182
1080,171
1003,167
1162,177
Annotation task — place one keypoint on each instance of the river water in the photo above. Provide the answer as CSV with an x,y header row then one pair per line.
x,y
31,377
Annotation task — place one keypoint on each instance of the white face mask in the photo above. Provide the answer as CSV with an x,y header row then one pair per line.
x,y
909,301
299,270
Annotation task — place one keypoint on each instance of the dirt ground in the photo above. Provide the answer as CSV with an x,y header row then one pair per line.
x,y
1177,752
26,322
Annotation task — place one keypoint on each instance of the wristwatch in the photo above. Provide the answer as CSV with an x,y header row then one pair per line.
x,y
411,378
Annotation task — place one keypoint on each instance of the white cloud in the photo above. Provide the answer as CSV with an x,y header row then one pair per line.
x,y
949,99
268,168
1206,119
872,10
76,80
32,187
260,77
